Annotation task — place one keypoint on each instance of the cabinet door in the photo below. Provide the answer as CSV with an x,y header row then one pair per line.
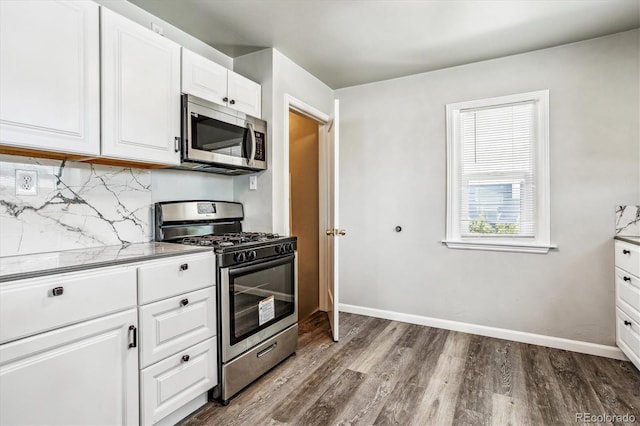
x,y
203,78
140,92
49,76
244,95
83,374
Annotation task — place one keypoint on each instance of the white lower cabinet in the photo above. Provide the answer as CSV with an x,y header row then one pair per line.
x,y
178,349
77,375
627,282
169,384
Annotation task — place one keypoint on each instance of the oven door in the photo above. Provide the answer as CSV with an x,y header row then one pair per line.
x,y
257,301
214,137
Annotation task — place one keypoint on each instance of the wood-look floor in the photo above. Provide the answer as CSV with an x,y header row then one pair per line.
x,y
390,373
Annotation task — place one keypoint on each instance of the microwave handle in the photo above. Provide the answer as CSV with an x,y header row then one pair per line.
x,y
252,132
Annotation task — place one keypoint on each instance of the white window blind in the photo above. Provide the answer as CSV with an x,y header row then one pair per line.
x,y
498,173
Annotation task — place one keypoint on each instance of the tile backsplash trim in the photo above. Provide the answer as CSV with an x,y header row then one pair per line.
x,y
628,221
77,205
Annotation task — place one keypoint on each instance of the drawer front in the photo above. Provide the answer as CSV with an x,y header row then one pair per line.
x,y
174,324
628,336
628,294
167,278
628,257
169,384
29,306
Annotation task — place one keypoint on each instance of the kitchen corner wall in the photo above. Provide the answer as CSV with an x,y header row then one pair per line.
x,y
266,208
393,172
82,205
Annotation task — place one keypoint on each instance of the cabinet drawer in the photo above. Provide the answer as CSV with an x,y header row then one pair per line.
x,y
628,257
172,325
167,278
628,336
28,306
169,384
628,294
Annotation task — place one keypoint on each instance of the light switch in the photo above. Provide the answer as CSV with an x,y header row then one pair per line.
x,y
253,183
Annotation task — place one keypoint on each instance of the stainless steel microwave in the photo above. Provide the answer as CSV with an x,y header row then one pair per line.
x,y
217,139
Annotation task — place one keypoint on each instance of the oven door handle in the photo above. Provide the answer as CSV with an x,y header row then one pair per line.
x,y
261,265
252,132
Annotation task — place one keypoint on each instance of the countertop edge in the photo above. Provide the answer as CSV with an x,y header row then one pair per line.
x,y
96,265
628,239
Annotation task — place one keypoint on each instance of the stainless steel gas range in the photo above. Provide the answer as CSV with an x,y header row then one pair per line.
x,y
257,287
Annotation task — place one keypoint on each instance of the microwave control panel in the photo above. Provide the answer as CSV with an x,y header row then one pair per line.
x,y
260,147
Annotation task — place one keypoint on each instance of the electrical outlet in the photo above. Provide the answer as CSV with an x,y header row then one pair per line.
x,y
253,182
26,182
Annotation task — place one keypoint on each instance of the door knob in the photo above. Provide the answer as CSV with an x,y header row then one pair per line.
x,y
342,232
331,232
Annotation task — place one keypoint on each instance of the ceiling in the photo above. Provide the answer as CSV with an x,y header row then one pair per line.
x,y
350,42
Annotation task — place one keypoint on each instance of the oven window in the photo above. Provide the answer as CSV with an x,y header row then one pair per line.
x,y
209,134
260,297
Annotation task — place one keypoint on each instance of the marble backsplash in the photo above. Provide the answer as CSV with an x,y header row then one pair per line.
x,y
77,205
628,221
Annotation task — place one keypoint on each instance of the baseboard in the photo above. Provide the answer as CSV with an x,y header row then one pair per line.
x,y
483,330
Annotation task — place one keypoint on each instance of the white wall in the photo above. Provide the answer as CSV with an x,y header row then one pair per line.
x,y
266,208
393,164
174,185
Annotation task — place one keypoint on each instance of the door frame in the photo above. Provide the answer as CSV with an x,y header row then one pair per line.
x,y
293,104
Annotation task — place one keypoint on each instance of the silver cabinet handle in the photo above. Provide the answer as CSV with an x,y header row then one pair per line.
x,y
267,350
133,336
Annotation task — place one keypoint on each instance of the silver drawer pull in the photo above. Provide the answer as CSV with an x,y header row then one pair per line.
x,y
57,291
267,350
184,266
627,323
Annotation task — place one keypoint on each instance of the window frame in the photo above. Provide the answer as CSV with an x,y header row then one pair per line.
x,y
541,242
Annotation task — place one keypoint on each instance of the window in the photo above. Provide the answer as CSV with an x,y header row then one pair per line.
x,y
498,173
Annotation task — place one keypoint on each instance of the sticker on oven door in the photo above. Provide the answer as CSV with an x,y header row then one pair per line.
x,y
266,310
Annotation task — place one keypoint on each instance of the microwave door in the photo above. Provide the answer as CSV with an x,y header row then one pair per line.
x,y
215,140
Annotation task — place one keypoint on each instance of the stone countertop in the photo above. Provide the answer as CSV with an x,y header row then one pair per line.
x,y
58,262
630,240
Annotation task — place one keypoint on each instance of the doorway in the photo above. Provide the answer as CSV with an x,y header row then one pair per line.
x,y
305,207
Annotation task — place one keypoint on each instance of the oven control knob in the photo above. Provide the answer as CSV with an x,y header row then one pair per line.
x,y
290,247
280,249
251,255
240,257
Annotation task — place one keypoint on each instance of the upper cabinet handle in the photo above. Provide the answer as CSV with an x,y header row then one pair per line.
x,y
184,266
57,291
625,251
232,101
225,99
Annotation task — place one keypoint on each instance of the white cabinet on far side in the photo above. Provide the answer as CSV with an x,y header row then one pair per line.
x,y
77,375
213,82
140,93
50,76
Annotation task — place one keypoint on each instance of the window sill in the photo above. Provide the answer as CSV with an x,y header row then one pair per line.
x,y
492,246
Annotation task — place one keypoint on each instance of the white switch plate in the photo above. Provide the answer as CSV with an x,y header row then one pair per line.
x,y
253,183
26,182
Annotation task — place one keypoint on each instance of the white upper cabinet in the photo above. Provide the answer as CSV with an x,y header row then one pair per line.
x,y
244,94
140,93
213,82
49,76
